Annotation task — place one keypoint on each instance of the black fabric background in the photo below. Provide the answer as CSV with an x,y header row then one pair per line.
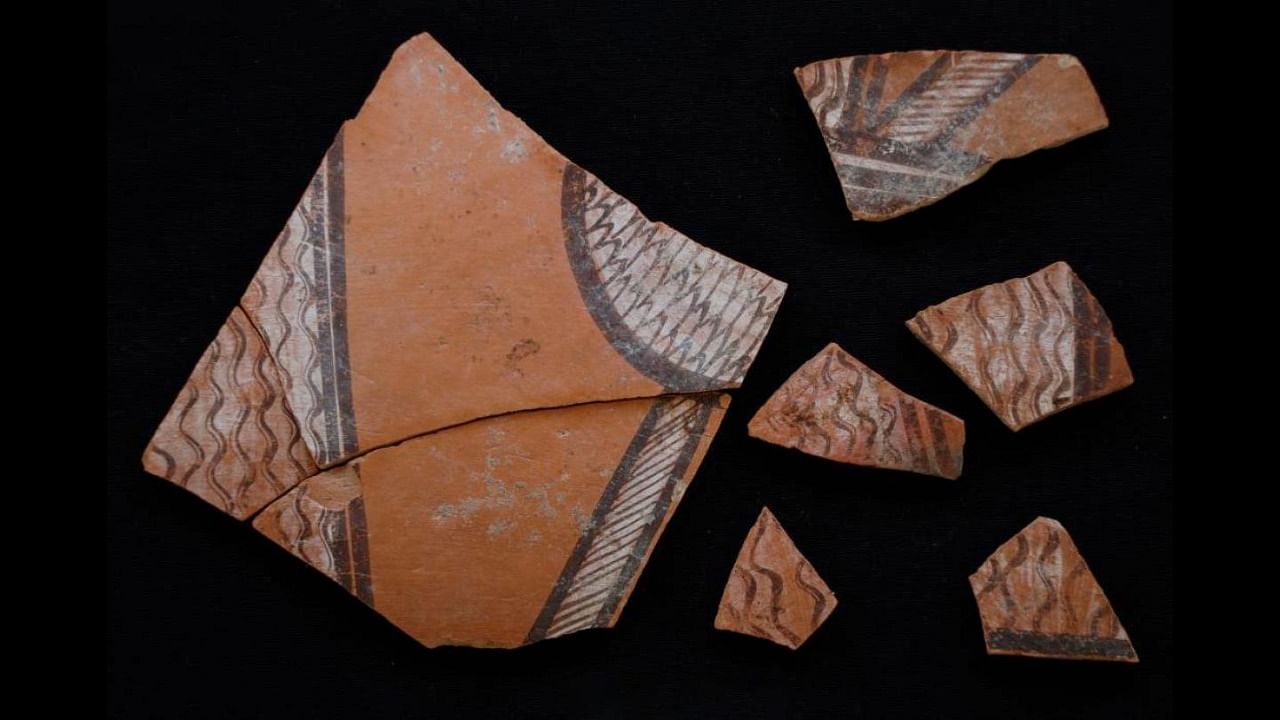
x,y
219,113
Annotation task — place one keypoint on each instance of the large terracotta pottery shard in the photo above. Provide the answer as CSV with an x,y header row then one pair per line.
x,y
906,129
773,592
503,531
1037,598
838,408
1029,347
446,264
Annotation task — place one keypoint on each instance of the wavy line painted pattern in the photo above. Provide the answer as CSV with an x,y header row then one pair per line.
x,y
686,316
836,407
1037,597
773,592
1029,347
296,299
322,522
230,437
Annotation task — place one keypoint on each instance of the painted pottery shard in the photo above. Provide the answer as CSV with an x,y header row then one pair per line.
x,y
231,437
503,531
469,382
838,408
446,264
773,592
1038,598
1029,347
906,129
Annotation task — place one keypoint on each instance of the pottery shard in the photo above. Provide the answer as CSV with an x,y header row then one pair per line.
x,y
1029,347
231,437
503,531
773,592
445,264
838,408
906,129
1038,598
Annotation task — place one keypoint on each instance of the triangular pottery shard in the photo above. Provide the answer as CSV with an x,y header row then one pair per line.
x,y
1029,347
469,382
1037,598
906,129
838,408
773,592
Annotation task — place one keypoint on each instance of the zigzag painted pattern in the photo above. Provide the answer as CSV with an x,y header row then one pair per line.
x,y
687,316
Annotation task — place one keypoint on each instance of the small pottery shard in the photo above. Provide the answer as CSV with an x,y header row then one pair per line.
x,y
1037,598
469,382
773,592
906,129
1029,347
444,264
503,531
837,408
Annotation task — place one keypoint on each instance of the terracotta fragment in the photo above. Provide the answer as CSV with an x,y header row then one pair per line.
x,y
1038,598
838,408
773,592
445,264
231,437
503,531
1029,347
906,129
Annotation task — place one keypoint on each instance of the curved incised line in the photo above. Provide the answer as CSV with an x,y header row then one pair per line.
x,y
819,600
888,438
775,588
169,464
211,425
309,365
953,336
997,579
193,396
271,442
1044,366
1051,595
749,593
1063,390
237,355
985,352
1021,381
1068,591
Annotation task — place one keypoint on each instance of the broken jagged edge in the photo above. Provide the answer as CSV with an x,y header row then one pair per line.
x,y
906,129
469,382
1030,347
773,592
1038,598
836,407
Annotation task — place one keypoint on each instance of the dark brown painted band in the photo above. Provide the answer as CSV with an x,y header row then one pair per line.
x,y
636,352
331,312
564,583
1072,646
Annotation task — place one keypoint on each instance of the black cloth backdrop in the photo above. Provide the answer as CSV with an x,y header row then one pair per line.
x,y
219,113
